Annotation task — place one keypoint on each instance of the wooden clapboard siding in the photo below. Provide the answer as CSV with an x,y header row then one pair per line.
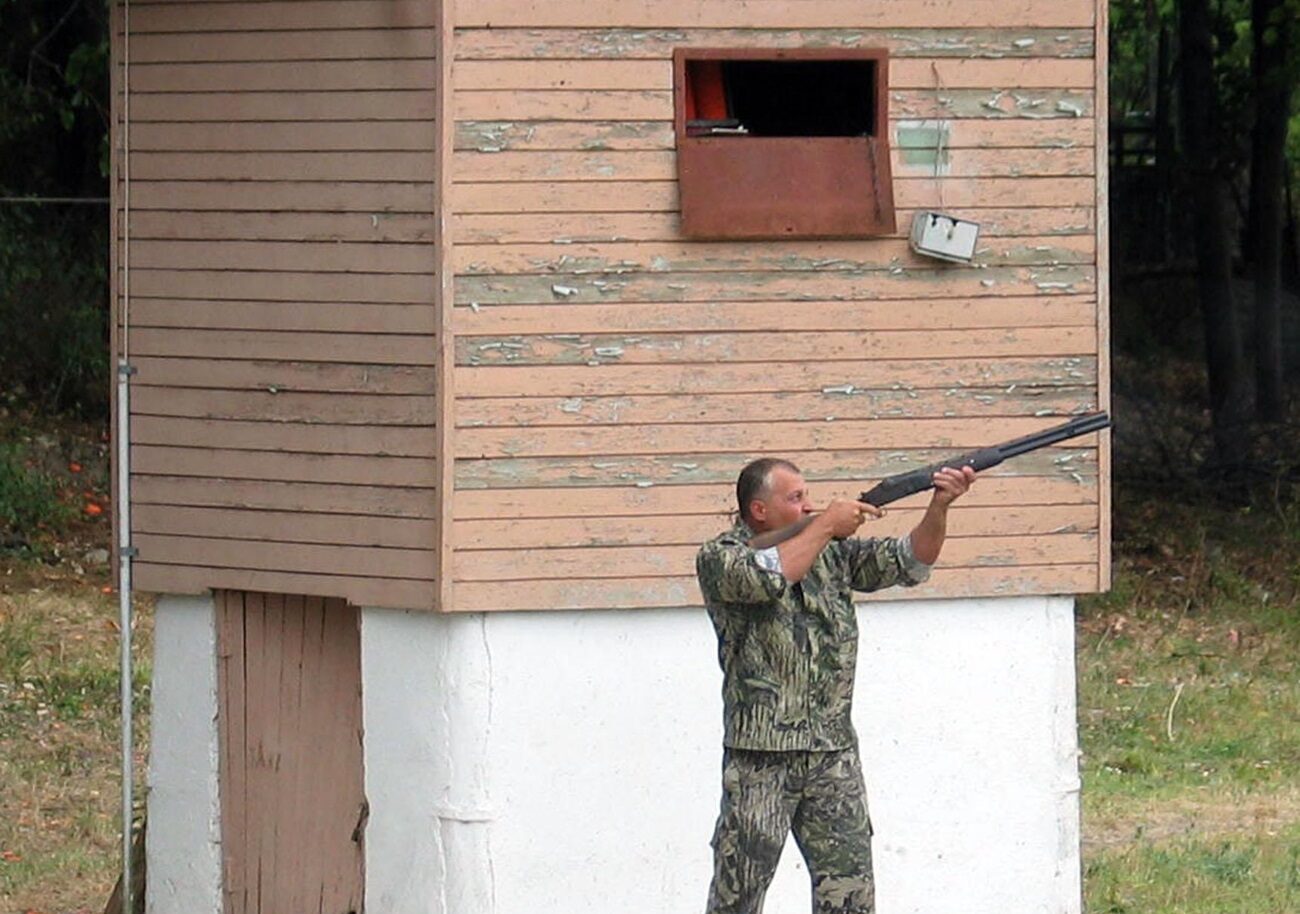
x,y
283,314
611,378
584,41
496,136
575,228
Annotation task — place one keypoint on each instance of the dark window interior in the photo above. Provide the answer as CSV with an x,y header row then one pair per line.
x,y
781,97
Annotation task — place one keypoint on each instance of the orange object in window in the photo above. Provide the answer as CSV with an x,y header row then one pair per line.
x,y
706,95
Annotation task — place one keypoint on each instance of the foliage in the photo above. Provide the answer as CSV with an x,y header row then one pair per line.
x,y
30,506
53,285
54,256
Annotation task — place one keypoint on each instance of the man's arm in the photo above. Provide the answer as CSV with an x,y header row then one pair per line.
x,y
928,536
839,520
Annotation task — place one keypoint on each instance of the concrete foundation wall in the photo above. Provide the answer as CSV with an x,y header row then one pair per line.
x,y
568,762
183,844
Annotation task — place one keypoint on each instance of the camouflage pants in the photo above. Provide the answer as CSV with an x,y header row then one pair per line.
x,y
817,795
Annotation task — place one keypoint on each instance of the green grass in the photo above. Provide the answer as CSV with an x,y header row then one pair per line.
x,y
1216,876
1189,717
59,710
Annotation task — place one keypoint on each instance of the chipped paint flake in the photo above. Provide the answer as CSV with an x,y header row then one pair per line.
x,y
564,291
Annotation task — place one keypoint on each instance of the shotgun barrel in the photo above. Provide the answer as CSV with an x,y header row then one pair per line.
x,y
893,488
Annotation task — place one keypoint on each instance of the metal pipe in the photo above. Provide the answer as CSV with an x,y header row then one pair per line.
x,y
125,552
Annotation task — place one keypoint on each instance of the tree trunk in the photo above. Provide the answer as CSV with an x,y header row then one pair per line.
x,y
1201,128
1272,88
1165,142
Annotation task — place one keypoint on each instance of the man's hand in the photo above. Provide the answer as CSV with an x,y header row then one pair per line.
x,y
843,517
928,536
951,484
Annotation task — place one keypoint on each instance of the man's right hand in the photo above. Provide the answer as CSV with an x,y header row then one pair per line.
x,y
843,516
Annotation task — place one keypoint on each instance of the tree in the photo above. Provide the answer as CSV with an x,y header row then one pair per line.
x,y
1273,30
1211,214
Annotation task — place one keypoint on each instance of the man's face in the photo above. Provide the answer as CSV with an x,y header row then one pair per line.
x,y
787,501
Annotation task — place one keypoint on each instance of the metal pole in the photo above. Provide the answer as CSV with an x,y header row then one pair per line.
x,y
125,552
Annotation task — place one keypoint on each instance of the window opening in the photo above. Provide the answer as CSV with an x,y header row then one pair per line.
x,y
780,98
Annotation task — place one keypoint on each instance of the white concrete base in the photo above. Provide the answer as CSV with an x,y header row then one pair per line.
x,y
564,763
183,842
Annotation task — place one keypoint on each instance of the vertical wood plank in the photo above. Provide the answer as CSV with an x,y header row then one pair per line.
x,y
292,776
230,730
445,298
1102,150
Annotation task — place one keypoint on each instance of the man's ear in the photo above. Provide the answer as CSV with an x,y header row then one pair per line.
x,y
758,511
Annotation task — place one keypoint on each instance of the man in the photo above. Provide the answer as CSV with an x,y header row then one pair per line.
x,y
787,643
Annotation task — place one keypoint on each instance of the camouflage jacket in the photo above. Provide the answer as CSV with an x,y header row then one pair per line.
x,y
789,651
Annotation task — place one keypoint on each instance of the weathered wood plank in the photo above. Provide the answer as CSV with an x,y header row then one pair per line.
x,y
585,43
593,136
392,593
738,437
284,375
378,499
300,44
645,105
835,405
232,730
662,166
661,196
559,197
981,510
330,409
326,317
637,74
712,348
287,256
1078,464
342,105
284,526
897,283
479,596
642,560
367,165
688,531
502,14
296,437
309,558
221,463
263,136
575,228
292,346
405,228
375,198
774,377
686,317
783,256
283,75
263,16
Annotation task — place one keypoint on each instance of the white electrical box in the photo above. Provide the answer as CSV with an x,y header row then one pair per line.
x,y
945,237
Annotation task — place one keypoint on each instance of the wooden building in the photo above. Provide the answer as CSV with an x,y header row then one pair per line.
x,y
480,306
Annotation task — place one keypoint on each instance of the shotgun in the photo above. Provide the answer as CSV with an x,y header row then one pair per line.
x,y
892,488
